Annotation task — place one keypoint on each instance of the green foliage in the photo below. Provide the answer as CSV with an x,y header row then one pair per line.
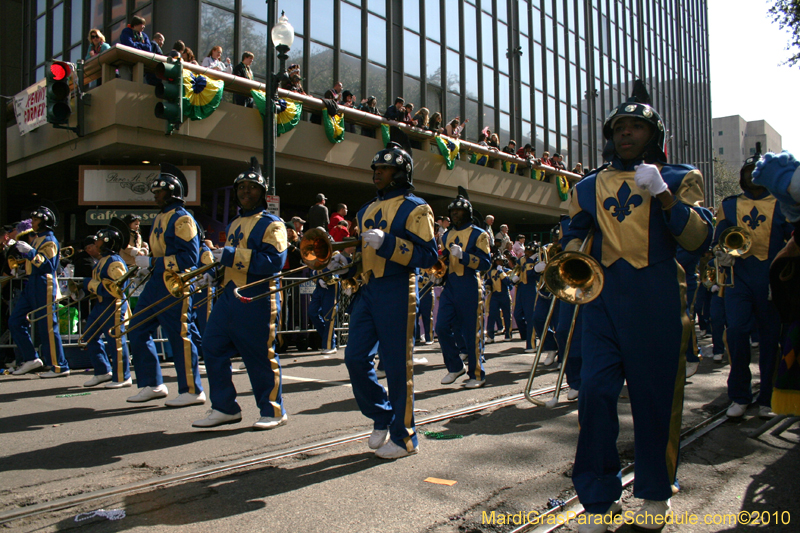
x,y
786,13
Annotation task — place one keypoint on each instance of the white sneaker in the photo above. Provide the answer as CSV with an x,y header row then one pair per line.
x,y
718,357
378,438
390,450
598,523
119,384
474,383
489,340
186,399
691,369
202,369
97,380
530,350
329,352
28,366
216,418
422,339
269,422
428,342
150,393
754,344
572,395
551,356
736,410
452,376
765,412
380,374
651,515
51,374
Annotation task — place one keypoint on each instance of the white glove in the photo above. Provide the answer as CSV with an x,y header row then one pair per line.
x,y
514,278
135,251
338,262
373,238
723,259
715,288
499,268
23,247
142,261
218,254
539,267
348,291
322,284
648,177
456,251
207,280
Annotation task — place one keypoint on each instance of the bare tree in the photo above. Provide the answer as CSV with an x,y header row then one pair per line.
x,y
786,13
726,182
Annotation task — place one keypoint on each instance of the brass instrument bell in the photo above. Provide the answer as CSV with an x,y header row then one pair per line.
x,y
574,277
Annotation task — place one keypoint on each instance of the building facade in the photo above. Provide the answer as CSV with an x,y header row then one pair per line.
x,y
735,139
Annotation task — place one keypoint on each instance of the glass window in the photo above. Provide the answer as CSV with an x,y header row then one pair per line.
x,y
376,31
296,53
411,53
471,78
58,29
434,100
118,9
538,102
432,21
350,32
41,34
257,9
320,75
537,25
551,111
96,17
147,14
139,3
502,11
548,32
377,6
488,86
524,60
350,74
525,99
562,119
411,92
502,47
503,88
411,15
453,72
537,67
470,24
527,132
487,25
453,108
376,85
489,118
41,6
39,74
75,54
116,31
523,17
254,39
292,8
76,24
505,128
471,130
230,4
451,24
216,29
539,147
321,13
433,61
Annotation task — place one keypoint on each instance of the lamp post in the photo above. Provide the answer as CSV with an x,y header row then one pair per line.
x,y
282,38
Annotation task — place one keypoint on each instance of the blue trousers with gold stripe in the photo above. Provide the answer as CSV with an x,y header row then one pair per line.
x,y
384,311
105,316
176,323
574,358
540,310
201,313
458,323
692,350
321,314
718,324
499,303
641,340
523,311
426,316
232,331
40,291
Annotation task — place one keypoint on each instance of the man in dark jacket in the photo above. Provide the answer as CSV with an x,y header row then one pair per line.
x,y
318,214
243,70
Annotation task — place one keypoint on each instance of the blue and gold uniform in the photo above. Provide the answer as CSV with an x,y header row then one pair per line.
x,y
541,306
563,323
255,250
425,313
41,291
175,245
637,329
500,301
320,307
108,313
460,316
203,301
385,310
525,300
748,299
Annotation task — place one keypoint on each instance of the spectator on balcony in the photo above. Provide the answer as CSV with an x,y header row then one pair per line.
x,y
188,56
214,61
454,128
511,149
158,39
335,93
243,70
397,111
349,101
435,123
545,160
134,36
558,161
578,169
494,142
369,105
526,152
318,213
97,42
421,118
337,216
294,82
177,50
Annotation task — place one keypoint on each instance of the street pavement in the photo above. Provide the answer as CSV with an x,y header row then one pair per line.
x,y
507,460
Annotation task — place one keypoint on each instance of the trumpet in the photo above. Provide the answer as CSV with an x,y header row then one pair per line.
x,y
575,278
438,270
709,276
735,242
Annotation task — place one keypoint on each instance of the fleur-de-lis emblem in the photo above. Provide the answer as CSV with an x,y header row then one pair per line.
x,y
158,231
240,265
457,241
377,222
170,265
754,219
623,204
404,248
497,275
236,237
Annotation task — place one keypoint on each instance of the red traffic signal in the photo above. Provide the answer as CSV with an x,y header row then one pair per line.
x,y
60,70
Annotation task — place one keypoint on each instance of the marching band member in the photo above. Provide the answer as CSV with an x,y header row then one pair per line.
x,y
526,296
689,262
575,356
175,245
323,299
757,212
425,281
203,301
460,317
397,238
542,307
500,285
255,250
41,291
717,317
640,209
111,267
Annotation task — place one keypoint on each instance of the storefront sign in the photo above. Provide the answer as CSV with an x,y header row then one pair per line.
x,y
30,107
102,185
102,217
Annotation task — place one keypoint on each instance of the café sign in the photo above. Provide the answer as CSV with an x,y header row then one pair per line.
x,y
128,185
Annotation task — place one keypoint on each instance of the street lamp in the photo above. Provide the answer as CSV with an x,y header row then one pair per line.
x,y
282,38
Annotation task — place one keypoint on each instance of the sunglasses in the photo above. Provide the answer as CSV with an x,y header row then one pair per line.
x,y
95,37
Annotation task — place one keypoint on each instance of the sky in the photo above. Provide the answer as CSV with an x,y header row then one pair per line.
x,y
748,77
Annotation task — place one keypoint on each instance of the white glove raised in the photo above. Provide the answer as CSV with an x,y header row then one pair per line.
x,y
514,278
142,261
648,177
23,247
723,259
499,268
322,284
456,251
539,267
373,238
218,254
135,251
715,288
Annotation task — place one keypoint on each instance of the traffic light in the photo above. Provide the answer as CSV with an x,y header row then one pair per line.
x,y
171,91
58,92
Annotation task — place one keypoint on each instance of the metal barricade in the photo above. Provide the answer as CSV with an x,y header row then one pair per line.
x,y
296,326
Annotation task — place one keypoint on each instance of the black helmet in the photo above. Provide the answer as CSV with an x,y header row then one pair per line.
x,y
394,156
253,174
749,165
172,179
113,237
48,216
461,203
499,257
638,106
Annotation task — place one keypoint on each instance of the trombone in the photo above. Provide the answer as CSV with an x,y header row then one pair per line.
x,y
736,242
575,278
116,288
